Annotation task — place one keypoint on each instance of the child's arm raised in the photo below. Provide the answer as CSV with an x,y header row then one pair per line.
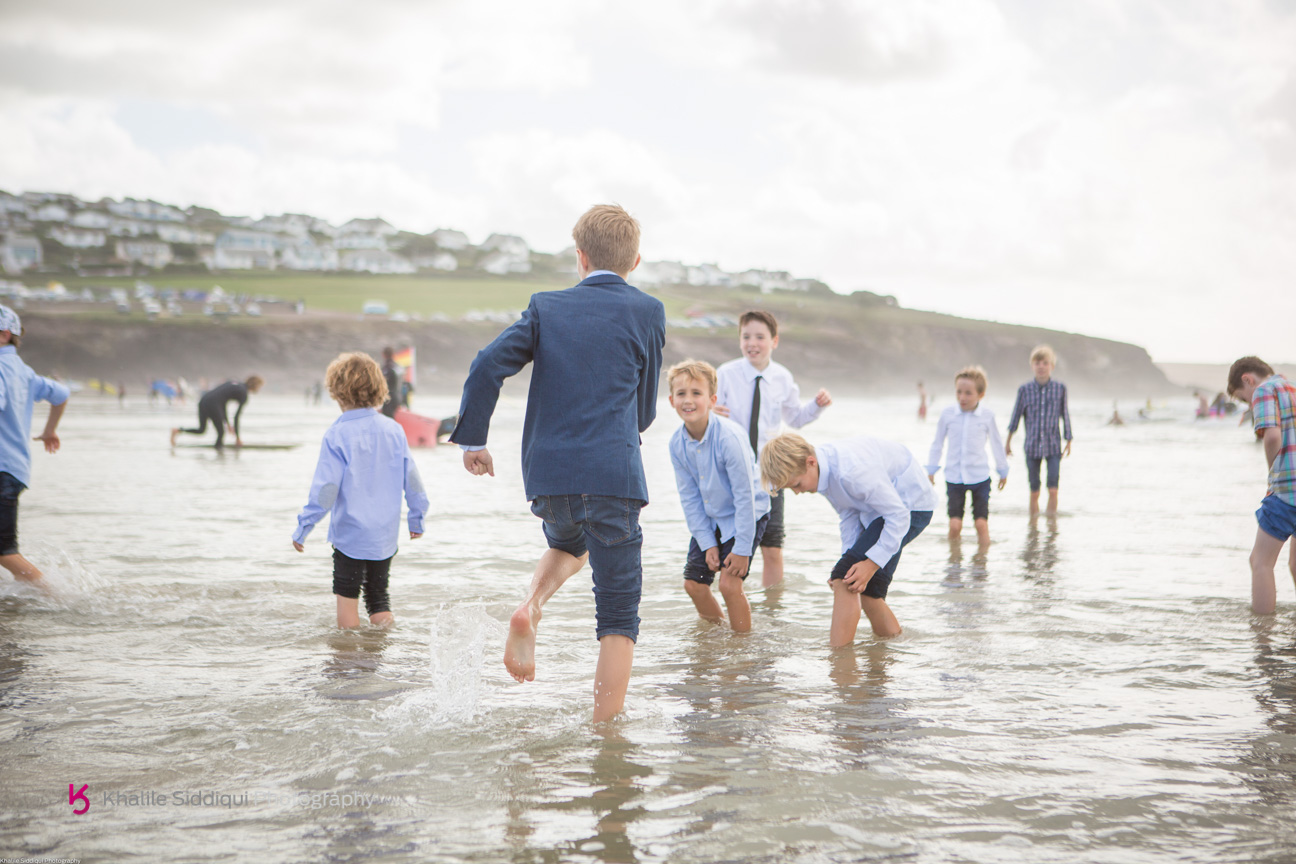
x,y
796,414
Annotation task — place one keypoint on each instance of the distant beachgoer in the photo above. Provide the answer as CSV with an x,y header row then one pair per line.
x,y
759,395
1043,403
318,392
971,428
1116,419
364,467
211,408
882,503
1203,407
391,375
922,401
20,389
1273,405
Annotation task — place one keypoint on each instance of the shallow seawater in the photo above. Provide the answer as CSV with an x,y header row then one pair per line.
x,y
1090,689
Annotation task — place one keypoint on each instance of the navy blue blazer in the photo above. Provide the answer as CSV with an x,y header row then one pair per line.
x,y
597,350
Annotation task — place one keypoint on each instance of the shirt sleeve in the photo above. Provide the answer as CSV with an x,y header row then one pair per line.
x,y
502,358
1066,415
323,491
996,446
1264,408
796,414
695,516
1018,407
44,390
738,468
875,488
650,372
934,457
416,498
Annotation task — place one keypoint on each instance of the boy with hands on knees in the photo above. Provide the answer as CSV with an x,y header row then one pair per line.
x,y
883,500
719,487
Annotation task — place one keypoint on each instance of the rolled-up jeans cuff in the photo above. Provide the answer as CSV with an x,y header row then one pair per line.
x,y
633,636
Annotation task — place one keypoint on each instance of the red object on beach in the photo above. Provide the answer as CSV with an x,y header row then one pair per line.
x,y
419,431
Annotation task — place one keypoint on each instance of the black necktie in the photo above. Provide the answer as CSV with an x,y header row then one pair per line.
x,y
753,427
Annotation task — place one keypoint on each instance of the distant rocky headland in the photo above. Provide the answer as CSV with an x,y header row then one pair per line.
x,y
859,343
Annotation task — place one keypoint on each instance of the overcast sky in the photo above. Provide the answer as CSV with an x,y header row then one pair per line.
x,y
1124,168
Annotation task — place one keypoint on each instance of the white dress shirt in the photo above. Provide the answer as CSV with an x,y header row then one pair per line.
x,y
864,478
969,432
780,398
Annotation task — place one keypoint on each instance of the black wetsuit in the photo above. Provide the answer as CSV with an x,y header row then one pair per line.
x,y
393,388
212,407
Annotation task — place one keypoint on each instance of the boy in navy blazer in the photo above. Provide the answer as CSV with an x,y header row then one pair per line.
x,y
596,350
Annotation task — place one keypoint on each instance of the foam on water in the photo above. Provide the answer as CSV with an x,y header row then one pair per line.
x,y
457,641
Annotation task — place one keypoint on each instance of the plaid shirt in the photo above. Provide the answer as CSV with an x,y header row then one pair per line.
x,y
1274,405
1042,406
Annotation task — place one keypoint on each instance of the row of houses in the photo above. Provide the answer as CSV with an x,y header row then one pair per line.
x,y
51,230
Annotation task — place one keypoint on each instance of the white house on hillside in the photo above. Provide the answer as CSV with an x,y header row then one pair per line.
x,y
184,234
242,249
305,254
78,238
374,261
360,241
436,261
150,253
369,226
708,274
19,253
445,238
93,219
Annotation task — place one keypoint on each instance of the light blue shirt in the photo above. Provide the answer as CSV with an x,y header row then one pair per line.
x,y
969,432
719,484
364,465
20,389
864,478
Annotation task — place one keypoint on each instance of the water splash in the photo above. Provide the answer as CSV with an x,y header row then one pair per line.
x,y
66,579
457,651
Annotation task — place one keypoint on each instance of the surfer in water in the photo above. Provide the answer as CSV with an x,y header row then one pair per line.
x,y
211,407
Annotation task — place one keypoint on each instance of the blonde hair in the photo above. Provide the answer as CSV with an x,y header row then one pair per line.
x,y
1043,352
784,459
355,381
976,375
609,237
698,370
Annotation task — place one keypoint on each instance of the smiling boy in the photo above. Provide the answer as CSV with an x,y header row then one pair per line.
x,y
719,487
759,394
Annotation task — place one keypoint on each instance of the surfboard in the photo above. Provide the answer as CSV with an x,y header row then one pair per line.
x,y
419,431
237,447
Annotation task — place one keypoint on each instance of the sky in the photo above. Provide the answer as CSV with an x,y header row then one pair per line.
x,y
1122,168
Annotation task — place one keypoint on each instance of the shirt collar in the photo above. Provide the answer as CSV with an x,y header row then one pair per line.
x,y
751,373
356,414
824,470
602,273
8,349
706,436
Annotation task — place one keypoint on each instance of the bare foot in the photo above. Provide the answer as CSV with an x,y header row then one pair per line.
x,y
174,433
519,648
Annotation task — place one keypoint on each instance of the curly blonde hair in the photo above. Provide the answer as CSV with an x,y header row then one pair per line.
x,y
355,381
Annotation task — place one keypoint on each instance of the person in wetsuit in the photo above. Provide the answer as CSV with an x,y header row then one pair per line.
x,y
391,375
211,407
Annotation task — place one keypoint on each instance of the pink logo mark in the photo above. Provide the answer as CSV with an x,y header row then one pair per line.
x,y
78,795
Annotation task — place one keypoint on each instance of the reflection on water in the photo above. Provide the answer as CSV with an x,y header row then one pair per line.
x,y
1118,703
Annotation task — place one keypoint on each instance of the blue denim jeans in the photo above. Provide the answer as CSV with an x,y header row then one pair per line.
x,y
881,581
608,528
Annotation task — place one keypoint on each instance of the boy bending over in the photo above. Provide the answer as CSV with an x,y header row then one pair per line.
x,y
719,487
1273,410
883,500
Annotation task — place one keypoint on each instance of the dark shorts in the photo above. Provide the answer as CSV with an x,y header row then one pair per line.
x,y
1033,471
10,488
881,581
957,493
608,528
350,574
1277,518
773,537
695,568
